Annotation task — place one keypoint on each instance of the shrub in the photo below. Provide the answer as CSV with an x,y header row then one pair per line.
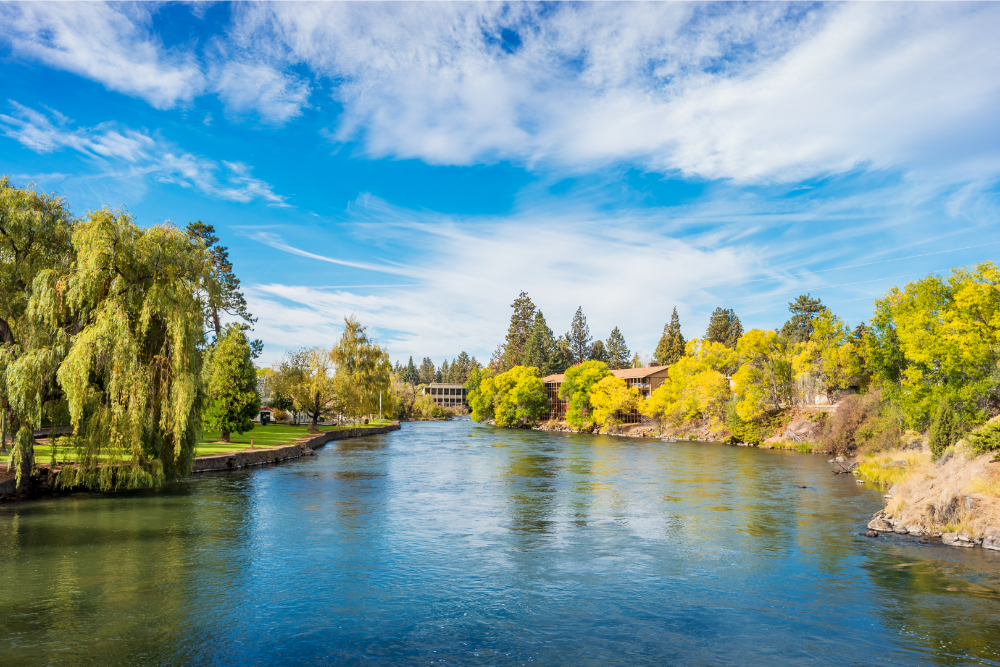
x,y
863,421
987,438
755,431
942,429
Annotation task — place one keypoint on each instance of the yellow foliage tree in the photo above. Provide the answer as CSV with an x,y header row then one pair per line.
x,y
611,397
696,387
764,379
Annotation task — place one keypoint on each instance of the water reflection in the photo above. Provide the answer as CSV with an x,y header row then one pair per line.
x,y
460,543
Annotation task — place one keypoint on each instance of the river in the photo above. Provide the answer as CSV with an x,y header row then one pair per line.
x,y
460,544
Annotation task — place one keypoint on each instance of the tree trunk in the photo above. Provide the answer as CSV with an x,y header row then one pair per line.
x,y
315,420
226,436
218,326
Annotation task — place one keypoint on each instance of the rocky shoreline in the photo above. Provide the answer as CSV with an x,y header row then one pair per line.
x,y
40,484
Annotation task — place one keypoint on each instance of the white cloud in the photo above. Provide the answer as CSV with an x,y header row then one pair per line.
x,y
247,86
757,92
114,148
109,43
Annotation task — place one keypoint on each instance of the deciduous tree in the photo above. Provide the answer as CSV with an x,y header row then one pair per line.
x,y
575,389
611,398
513,399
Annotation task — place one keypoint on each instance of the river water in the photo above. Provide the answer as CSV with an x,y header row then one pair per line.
x,y
459,544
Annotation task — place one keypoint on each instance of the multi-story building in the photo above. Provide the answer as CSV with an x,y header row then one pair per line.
x,y
644,379
448,394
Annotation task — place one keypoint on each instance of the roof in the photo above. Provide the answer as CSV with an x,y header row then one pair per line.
x,y
446,384
644,372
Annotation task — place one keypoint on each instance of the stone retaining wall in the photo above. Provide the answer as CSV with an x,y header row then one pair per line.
x,y
233,460
256,457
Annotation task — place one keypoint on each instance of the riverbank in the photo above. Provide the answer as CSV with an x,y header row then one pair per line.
x,y
40,484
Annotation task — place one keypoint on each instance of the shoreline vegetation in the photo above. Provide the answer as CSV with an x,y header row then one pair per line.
x,y
910,400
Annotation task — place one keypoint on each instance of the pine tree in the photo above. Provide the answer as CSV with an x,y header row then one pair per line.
x,y
735,332
426,371
579,337
671,346
618,354
804,310
411,374
636,361
461,367
445,371
232,385
942,429
597,351
561,358
438,377
512,350
541,344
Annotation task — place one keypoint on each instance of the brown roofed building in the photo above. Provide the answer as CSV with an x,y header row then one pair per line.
x,y
645,379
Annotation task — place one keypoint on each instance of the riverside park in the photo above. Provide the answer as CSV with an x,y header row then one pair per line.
x,y
339,333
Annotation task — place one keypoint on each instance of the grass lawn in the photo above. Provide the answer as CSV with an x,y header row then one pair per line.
x,y
272,435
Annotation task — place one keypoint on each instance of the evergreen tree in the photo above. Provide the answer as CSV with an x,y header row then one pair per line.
x,y
445,371
724,327
942,429
671,346
232,385
579,337
804,310
410,373
597,351
438,377
636,361
426,371
541,344
230,299
618,354
561,358
461,367
511,352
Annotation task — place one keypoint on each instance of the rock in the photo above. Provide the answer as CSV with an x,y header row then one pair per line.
x,y
945,458
992,543
957,540
872,533
901,529
840,459
916,530
859,481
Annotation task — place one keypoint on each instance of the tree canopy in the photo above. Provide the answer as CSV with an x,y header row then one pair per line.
x,y
671,345
724,327
513,399
618,353
233,400
579,337
576,389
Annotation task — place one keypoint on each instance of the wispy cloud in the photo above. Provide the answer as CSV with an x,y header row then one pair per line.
x,y
114,147
109,43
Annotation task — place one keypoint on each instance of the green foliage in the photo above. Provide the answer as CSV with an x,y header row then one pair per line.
x,y
512,351
540,348
724,327
576,388
513,399
986,438
233,400
597,352
617,350
306,376
671,346
363,371
411,374
942,429
579,337
228,298
755,431
804,310
427,371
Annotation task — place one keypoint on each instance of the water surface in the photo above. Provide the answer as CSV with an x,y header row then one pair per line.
x,y
455,543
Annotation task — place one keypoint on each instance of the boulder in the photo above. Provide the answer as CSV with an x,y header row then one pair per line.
x,y
992,543
957,540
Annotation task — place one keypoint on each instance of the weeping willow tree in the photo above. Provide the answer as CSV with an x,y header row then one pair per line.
x,y
132,374
35,232
363,370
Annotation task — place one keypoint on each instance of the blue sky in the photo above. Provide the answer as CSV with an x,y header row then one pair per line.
x,y
418,165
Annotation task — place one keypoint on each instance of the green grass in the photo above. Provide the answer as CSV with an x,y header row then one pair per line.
x,y
272,435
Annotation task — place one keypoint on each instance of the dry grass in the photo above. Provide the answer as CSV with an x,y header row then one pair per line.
x,y
874,467
989,486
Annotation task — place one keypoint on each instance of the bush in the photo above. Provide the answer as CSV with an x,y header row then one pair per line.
x,y
986,439
863,421
755,431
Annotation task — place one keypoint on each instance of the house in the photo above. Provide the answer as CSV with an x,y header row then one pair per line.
x,y
645,379
448,394
263,411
